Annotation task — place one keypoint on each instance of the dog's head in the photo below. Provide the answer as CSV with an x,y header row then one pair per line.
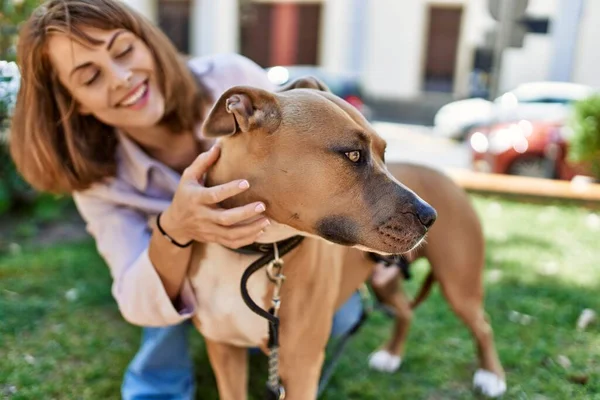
x,y
317,164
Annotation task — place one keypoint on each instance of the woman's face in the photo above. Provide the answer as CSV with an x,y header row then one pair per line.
x,y
114,81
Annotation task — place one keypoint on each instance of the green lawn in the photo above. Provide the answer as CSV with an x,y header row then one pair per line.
x,y
543,261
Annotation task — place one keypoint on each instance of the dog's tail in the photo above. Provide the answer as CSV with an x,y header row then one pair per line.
x,y
424,291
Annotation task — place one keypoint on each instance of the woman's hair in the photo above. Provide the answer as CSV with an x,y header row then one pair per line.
x,y
55,148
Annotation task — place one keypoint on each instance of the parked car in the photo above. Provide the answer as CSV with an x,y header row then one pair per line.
x,y
455,119
526,148
535,101
343,84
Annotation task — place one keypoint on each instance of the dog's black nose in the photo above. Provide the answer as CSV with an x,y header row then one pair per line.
x,y
426,214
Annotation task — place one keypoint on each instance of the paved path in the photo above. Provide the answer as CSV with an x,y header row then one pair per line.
x,y
416,143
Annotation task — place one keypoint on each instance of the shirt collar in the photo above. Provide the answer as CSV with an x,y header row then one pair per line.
x,y
134,163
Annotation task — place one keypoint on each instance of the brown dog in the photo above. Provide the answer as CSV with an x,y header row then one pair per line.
x,y
318,166
455,251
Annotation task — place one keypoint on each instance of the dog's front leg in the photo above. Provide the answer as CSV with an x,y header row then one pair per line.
x,y
230,366
300,373
302,354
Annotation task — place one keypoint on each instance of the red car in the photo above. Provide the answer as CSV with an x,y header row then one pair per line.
x,y
525,148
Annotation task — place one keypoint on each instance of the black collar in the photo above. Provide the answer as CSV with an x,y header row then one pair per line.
x,y
264,248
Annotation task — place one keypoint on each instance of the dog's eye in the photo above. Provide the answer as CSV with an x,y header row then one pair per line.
x,y
353,156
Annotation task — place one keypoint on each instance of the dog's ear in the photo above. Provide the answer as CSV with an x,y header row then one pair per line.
x,y
242,109
305,82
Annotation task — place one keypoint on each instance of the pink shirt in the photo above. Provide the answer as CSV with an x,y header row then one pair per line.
x,y
118,212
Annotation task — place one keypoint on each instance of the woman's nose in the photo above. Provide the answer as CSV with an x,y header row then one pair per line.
x,y
120,76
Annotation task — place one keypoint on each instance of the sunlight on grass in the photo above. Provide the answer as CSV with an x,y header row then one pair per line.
x,y
549,241
61,335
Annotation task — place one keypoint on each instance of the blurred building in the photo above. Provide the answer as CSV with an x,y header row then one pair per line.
x,y
401,48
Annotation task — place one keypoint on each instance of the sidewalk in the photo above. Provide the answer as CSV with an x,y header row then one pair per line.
x,y
414,143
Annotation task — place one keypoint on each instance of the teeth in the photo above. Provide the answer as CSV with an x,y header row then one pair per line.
x,y
135,96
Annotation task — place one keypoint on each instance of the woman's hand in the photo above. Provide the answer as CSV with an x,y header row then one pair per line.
x,y
194,214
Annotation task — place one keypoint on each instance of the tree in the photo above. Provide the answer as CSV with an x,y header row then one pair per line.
x,y
12,14
584,145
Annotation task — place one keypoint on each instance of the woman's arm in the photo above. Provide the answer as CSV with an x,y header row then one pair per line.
x,y
149,271
123,238
170,261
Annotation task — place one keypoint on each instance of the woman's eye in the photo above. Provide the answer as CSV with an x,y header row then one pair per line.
x,y
92,79
353,156
125,52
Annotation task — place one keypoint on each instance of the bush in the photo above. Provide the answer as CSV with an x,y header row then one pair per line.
x,y
12,14
13,189
584,145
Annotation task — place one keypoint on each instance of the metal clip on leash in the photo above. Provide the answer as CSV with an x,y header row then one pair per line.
x,y
275,275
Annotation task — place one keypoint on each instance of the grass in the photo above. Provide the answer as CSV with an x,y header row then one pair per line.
x,y
542,262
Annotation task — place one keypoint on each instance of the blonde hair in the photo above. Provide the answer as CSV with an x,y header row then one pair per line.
x,y
58,150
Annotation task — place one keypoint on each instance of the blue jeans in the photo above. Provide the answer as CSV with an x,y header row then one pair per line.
x,y
162,369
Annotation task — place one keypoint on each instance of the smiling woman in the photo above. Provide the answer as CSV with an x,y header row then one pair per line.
x,y
132,77
94,70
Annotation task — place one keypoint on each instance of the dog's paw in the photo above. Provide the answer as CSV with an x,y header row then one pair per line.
x,y
384,362
488,383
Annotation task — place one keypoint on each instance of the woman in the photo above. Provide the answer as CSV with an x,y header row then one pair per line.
x,y
108,111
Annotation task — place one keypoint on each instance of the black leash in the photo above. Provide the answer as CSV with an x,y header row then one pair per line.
x,y
272,259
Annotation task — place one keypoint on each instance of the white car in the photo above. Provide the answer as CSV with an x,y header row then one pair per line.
x,y
535,101
455,119
549,92
540,101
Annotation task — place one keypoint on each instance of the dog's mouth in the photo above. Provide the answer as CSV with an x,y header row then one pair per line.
x,y
403,232
390,252
396,235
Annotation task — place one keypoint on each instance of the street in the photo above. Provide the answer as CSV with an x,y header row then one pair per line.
x,y
416,143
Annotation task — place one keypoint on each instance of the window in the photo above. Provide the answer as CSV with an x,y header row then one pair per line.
x,y
174,20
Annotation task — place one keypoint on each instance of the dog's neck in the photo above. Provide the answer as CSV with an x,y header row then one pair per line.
x,y
277,232
229,167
